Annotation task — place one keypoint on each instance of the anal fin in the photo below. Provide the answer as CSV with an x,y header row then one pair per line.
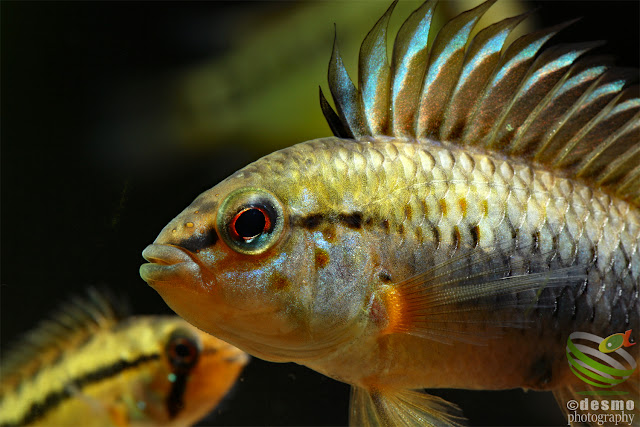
x,y
401,408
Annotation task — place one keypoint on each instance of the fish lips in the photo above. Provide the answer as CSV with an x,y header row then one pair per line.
x,y
167,264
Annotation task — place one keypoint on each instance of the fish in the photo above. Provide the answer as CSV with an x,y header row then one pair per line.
x,y
477,207
93,364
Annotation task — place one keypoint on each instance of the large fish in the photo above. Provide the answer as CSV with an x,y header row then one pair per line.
x,y
93,365
478,205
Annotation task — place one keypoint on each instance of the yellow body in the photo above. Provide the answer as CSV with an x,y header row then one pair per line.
x,y
480,206
419,204
112,372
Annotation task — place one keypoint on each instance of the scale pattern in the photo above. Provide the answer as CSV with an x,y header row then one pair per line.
x,y
443,197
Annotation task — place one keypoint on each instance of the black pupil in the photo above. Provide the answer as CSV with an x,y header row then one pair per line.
x,y
182,350
250,223
182,353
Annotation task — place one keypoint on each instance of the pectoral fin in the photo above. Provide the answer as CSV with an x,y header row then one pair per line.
x,y
472,296
401,408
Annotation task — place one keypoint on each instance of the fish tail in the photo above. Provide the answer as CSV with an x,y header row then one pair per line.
x,y
401,408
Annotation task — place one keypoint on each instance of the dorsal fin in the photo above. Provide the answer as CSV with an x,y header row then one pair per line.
x,y
554,107
72,323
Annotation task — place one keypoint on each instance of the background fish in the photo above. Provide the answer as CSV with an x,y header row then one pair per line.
x,y
484,206
74,204
92,365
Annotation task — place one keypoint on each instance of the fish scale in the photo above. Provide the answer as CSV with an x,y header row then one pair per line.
x,y
549,215
532,202
457,200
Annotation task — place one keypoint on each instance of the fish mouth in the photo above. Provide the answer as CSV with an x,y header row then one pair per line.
x,y
167,263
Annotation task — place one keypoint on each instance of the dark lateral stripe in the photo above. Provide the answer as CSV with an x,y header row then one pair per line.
x,y
39,409
351,220
356,220
313,221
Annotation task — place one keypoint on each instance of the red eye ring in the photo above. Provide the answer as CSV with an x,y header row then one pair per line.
x,y
182,353
250,229
182,349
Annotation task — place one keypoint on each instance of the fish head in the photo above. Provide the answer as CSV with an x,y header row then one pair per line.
x,y
235,264
194,371
202,371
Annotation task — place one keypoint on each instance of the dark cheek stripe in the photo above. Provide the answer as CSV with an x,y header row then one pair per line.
x,y
182,370
199,241
175,400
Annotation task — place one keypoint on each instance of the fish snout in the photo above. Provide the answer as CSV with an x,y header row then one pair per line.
x,y
190,230
165,255
167,263
174,256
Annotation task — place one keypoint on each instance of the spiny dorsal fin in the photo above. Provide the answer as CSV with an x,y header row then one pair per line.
x,y
553,107
73,322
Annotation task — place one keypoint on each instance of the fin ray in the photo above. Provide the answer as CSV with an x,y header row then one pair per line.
x,y
335,124
74,320
400,408
548,106
475,292
503,82
345,94
445,63
481,58
409,63
374,75
549,69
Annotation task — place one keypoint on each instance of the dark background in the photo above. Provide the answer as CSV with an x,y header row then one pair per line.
x,y
78,207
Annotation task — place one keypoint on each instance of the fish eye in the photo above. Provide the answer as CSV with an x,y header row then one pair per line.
x,y
250,223
250,220
182,351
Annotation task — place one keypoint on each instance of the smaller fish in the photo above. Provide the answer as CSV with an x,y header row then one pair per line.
x,y
91,364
